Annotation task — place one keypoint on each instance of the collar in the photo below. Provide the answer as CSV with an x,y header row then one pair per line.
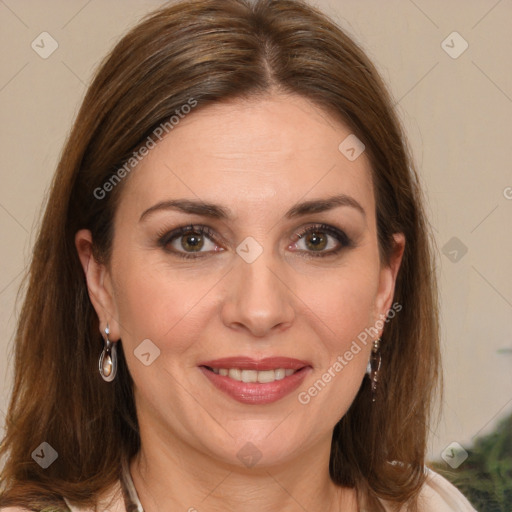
x,y
131,499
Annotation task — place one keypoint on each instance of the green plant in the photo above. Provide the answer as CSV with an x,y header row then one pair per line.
x,y
485,477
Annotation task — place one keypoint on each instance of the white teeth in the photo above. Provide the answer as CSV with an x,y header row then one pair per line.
x,y
280,373
262,376
235,373
249,376
267,376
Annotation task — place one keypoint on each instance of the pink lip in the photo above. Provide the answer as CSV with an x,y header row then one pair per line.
x,y
247,363
255,392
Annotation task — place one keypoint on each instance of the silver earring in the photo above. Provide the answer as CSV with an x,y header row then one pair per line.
x,y
373,367
108,359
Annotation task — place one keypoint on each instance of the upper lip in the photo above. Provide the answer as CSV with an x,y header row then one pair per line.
x,y
247,363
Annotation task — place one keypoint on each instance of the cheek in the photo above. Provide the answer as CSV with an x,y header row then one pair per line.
x,y
343,301
340,311
170,305
156,302
341,308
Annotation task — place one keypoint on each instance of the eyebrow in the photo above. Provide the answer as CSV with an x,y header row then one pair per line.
x,y
216,211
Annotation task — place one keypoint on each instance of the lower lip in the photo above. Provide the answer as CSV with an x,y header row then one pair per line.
x,y
254,392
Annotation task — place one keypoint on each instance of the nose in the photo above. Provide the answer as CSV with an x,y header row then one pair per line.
x,y
259,298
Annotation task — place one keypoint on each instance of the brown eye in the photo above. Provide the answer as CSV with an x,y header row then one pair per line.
x,y
189,241
314,240
192,241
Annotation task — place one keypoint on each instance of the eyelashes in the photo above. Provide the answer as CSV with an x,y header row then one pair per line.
x,y
315,233
193,238
197,237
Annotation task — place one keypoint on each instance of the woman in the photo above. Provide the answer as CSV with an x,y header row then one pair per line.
x,y
231,303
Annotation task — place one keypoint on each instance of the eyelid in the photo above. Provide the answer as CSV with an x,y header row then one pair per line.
x,y
165,237
336,232
343,239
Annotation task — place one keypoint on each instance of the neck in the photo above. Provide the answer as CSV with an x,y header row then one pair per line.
x,y
176,474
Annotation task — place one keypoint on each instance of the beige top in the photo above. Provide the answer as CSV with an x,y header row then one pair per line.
x,y
437,495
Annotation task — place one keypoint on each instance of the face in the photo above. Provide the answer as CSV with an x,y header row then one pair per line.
x,y
255,275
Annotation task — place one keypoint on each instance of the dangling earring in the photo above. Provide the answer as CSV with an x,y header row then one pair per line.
x,y
373,367
108,359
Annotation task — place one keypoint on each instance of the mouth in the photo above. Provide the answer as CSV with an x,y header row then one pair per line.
x,y
253,381
262,376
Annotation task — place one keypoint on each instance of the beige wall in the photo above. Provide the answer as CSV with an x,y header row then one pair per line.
x,y
457,112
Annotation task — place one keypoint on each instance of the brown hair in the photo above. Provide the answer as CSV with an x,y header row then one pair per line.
x,y
212,50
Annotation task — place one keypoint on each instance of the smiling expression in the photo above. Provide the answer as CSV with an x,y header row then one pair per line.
x,y
246,233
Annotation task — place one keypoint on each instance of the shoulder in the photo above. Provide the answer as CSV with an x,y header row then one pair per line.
x,y
439,495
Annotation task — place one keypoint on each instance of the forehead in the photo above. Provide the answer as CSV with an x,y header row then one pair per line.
x,y
250,155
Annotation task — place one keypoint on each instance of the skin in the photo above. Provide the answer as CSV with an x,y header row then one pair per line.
x,y
258,158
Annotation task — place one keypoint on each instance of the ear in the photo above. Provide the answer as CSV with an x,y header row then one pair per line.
x,y
99,285
387,279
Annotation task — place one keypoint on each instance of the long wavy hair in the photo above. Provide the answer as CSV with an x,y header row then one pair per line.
x,y
212,50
